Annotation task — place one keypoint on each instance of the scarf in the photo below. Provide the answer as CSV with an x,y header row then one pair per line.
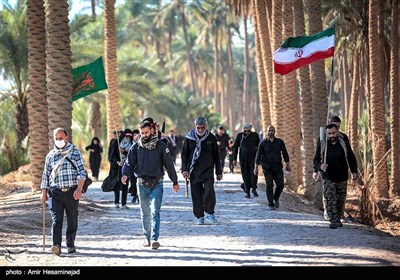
x,y
62,152
192,135
151,145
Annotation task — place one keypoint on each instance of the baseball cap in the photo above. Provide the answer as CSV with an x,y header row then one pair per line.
x,y
247,126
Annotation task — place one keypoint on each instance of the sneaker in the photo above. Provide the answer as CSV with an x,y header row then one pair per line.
x,y
116,205
271,207
56,250
332,225
71,250
277,204
211,218
155,245
125,207
255,193
200,221
247,196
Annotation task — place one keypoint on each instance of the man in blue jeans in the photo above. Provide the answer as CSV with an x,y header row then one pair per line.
x,y
146,160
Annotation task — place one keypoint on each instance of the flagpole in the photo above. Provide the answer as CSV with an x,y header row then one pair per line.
x,y
329,105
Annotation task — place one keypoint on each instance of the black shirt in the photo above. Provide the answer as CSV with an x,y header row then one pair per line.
x,y
269,154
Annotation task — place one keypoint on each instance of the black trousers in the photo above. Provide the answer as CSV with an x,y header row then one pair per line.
x,y
247,169
124,189
222,156
203,196
270,177
60,202
133,188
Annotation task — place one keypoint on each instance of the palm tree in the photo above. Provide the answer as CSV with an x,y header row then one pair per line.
x,y
14,60
262,51
59,66
317,71
394,102
37,102
303,76
113,118
377,104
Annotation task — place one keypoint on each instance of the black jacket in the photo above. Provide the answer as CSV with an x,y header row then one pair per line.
x,y
270,154
209,157
149,163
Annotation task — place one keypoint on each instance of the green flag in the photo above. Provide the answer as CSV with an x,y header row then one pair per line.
x,y
88,79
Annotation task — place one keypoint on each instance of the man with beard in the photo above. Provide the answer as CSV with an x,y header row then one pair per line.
x,y
269,155
146,160
333,158
246,144
199,157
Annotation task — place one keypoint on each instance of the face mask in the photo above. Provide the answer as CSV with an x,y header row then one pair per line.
x,y
59,143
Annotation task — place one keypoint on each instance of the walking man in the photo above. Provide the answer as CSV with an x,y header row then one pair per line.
x,y
146,160
62,182
199,157
269,155
223,143
246,143
334,163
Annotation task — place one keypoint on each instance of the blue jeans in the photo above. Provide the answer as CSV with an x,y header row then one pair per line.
x,y
150,208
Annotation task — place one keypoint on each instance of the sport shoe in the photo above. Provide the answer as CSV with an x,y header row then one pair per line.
x,y
255,193
116,205
211,218
56,250
200,221
155,245
277,204
71,250
247,196
125,207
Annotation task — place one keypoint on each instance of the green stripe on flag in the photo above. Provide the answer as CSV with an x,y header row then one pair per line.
x,y
301,41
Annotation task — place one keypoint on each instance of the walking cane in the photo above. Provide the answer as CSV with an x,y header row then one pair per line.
x,y
186,187
44,224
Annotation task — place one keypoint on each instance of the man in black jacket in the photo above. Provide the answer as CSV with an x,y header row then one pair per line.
x,y
333,158
146,160
199,157
246,144
269,155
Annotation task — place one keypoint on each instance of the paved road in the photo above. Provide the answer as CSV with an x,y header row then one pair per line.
x,y
247,234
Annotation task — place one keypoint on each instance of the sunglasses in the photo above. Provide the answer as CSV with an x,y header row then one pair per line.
x,y
246,130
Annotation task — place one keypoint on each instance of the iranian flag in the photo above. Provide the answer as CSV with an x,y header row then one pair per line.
x,y
296,52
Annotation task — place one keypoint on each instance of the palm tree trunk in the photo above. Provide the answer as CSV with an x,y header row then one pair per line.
x,y
111,69
263,49
394,102
246,86
353,109
290,114
317,71
95,120
37,102
59,66
303,75
377,103
230,83
187,47
216,76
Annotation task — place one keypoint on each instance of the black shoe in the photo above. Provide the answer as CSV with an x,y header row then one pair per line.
x,y
242,186
255,193
277,204
71,250
339,224
247,196
332,225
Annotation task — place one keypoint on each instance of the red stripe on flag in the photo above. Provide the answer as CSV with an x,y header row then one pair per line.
x,y
289,67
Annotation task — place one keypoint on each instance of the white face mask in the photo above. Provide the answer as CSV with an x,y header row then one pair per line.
x,y
59,143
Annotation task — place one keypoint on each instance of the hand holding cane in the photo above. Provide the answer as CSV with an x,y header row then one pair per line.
x,y
186,188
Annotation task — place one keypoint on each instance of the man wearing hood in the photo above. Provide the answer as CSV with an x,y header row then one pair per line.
x,y
199,157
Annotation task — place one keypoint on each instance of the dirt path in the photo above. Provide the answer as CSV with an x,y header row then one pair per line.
x,y
246,234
